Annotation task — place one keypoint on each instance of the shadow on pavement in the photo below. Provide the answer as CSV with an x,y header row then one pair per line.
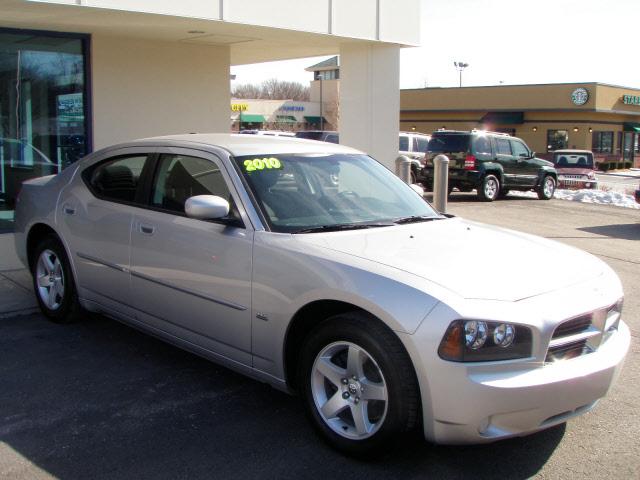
x,y
628,231
101,400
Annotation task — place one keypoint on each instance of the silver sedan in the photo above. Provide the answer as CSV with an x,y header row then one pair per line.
x,y
310,266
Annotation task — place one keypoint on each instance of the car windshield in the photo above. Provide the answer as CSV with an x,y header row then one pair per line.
x,y
448,143
568,160
322,192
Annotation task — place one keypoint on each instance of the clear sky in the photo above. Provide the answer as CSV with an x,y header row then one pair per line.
x,y
509,41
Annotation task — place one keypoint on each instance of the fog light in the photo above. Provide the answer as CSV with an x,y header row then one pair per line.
x,y
503,335
475,334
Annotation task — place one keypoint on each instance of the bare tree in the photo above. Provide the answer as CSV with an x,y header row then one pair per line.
x,y
273,89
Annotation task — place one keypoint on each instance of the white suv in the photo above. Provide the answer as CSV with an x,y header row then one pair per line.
x,y
414,146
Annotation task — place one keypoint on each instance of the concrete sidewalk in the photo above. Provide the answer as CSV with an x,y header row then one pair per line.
x,y
16,291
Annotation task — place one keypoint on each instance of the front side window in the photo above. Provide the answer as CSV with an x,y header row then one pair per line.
x,y
602,142
298,192
519,149
557,140
420,144
118,179
179,177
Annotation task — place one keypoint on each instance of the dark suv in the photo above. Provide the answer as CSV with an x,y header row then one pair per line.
x,y
492,163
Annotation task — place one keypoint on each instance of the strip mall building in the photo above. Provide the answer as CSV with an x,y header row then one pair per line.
x,y
593,116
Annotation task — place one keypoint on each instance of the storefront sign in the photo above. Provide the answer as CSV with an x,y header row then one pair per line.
x,y
291,108
631,99
239,107
580,96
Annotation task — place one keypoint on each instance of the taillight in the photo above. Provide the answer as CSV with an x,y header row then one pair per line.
x,y
470,162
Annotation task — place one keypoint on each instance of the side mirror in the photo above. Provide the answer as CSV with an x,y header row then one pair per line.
x,y
206,207
533,154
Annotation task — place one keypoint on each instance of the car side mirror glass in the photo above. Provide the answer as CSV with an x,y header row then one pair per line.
x,y
206,207
533,155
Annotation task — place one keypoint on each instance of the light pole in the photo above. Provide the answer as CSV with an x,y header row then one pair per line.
x,y
460,66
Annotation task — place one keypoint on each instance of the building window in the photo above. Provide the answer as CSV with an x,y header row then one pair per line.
x,y
602,142
43,108
557,140
327,75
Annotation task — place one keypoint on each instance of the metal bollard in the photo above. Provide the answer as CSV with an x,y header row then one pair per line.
x,y
403,168
440,182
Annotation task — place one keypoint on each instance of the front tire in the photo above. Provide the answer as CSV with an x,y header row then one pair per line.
x,y
53,282
489,188
358,384
547,188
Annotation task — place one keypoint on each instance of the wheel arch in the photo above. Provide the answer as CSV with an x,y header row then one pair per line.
x,y
306,319
36,233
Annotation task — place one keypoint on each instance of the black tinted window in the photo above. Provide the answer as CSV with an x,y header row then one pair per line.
x,y
502,146
448,143
482,146
118,179
403,144
309,135
519,149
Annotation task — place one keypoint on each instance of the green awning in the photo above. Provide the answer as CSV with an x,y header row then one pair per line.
x,y
631,127
503,118
316,120
249,118
286,119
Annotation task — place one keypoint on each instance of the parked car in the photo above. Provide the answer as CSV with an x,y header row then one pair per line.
x,y
492,163
414,145
269,133
576,169
312,267
321,135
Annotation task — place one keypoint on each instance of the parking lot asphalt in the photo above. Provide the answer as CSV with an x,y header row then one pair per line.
x,y
100,400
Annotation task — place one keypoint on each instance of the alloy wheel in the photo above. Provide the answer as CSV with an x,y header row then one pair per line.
x,y
349,390
50,279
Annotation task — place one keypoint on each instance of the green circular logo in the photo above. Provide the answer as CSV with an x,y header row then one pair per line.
x,y
580,96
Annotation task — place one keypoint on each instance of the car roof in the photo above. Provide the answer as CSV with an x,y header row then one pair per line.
x,y
569,150
241,144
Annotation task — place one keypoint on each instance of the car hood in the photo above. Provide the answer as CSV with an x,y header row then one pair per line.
x,y
473,260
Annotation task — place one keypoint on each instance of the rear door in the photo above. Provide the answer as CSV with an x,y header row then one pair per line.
x,y
95,215
191,278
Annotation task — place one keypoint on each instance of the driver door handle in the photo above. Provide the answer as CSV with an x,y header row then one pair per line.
x,y
147,229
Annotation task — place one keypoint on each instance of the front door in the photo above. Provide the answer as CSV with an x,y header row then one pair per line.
x,y
505,158
527,167
192,278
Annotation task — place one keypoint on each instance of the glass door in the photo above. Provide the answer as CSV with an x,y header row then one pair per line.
x,y
43,120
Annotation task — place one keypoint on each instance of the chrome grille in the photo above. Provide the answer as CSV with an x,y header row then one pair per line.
x,y
573,338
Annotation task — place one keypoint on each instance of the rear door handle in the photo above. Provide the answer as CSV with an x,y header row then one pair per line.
x,y
147,229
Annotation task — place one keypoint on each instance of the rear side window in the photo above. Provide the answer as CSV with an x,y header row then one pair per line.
x,y
503,146
420,144
482,146
117,179
332,138
403,143
448,144
309,135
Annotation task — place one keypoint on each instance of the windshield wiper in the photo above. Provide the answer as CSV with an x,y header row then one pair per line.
x,y
416,219
343,226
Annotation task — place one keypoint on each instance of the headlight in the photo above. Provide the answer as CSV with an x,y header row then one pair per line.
x,y
481,341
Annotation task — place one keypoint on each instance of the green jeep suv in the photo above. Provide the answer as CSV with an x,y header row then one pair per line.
x,y
492,163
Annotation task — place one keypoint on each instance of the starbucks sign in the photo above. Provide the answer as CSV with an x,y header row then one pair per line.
x,y
631,100
580,96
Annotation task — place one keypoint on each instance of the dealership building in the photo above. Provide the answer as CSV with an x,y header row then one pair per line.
x,y
78,75
593,116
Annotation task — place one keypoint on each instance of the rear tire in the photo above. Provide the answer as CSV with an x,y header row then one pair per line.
x,y
489,188
358,384
547,188
53,282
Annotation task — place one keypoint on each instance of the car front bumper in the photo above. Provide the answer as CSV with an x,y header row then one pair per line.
x,y
467,403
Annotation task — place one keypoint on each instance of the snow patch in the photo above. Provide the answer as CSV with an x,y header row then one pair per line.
x,y
617,199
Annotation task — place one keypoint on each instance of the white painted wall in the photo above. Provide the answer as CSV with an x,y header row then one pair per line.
x,y
370,99
184,8
145,88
